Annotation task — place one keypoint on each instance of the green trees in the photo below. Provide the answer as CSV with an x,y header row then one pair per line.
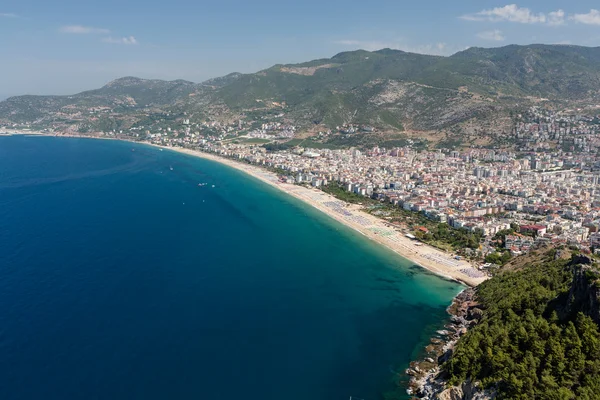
x,y
498,258
339,192
521,348
456,238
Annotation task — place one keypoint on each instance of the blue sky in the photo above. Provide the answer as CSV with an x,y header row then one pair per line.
x,y
65,46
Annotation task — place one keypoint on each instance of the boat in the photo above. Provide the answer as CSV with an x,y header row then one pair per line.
x,y
171,168
213,185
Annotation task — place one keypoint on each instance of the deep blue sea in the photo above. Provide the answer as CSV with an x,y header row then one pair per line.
x,y
121,278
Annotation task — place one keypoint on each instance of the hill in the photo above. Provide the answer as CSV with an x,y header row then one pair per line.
x,y
467,97
536,334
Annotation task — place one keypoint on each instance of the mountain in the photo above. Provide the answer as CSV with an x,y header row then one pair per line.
x,y
571,72
143,92
466,96
123,92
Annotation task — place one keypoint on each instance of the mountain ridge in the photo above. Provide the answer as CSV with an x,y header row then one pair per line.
x,y
392,90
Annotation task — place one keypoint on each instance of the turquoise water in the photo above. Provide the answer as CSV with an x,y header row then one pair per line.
x,y
120,278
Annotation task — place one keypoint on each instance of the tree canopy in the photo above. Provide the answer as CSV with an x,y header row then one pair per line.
x,y
521,348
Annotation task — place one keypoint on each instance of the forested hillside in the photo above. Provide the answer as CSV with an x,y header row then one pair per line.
x,y
538,337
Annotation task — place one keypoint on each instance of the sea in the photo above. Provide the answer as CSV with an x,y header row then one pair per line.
x,y
123,278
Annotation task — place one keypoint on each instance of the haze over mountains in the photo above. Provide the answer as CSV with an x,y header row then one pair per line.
x,y
389,89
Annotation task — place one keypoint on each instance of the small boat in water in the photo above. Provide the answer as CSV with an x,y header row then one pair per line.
x,y
171,168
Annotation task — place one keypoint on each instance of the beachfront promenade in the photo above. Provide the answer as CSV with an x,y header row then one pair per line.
x,y
370,226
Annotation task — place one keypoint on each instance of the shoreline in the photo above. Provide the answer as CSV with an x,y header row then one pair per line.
x,y
426,378
377,230
373,228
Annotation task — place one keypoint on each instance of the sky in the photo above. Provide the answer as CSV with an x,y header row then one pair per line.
x,y
66,46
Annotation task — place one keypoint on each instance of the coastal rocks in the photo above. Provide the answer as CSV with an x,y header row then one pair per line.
x,y
474,314
426,378
453,393
436,389
467,391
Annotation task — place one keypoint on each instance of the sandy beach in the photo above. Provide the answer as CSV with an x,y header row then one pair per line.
x,y
430,258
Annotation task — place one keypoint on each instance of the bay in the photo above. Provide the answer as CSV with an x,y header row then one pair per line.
x,y
121,278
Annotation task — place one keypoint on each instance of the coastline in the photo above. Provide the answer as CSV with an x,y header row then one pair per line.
x,y
427,379
430,258
375,229
347,291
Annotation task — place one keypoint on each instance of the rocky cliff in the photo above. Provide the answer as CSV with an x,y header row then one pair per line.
x,y
584,295
427,380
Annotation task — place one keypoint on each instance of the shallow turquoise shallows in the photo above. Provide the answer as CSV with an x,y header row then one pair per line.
x,y
122,278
